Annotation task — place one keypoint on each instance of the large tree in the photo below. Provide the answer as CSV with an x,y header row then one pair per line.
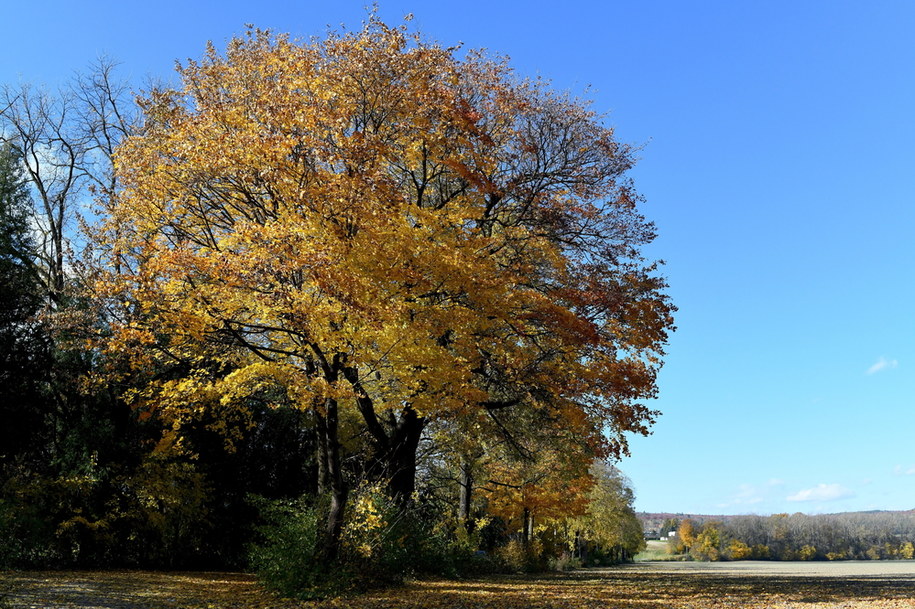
x,y
24,344
373,222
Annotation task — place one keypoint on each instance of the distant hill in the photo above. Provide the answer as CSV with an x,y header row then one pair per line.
x,y
653,522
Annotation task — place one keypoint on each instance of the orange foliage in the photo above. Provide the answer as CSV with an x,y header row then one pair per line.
x,y
553,487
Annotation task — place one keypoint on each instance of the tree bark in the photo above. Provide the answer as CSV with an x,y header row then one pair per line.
x,y
323,483
525,533
394,442
466,494
400,462
328,426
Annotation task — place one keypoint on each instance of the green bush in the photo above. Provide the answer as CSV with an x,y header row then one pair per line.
x,y
286,555
381,544
50,522
390,541
27,538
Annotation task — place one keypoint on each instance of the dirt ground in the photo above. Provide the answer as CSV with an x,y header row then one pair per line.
x,y
751,585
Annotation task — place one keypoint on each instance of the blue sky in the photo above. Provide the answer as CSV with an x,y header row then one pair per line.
x,y
778,164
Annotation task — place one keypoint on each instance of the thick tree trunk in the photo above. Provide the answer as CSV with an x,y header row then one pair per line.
x,y
328,424
395,440
331,545
400,461
525,533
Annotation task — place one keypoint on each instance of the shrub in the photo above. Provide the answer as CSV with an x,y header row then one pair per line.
x,y
286,556
382,542
738,550
761,552
807,552
515,557
564,562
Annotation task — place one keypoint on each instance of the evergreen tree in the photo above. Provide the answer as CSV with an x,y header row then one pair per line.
x,y
24,344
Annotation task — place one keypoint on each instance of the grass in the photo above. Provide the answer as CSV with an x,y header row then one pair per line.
x,y
655,550
641,586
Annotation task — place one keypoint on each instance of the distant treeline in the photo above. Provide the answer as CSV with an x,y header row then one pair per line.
x,y
848,536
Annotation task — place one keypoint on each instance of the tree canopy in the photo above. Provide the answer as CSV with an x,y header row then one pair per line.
x,y
373,222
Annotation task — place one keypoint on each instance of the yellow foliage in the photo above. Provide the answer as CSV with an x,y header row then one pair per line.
x,y
738,550
356,218
367,520
807,552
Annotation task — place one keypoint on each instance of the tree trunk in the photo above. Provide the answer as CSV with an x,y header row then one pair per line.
x,y
328,424
525,534
394,441
465,500
400,460
323,481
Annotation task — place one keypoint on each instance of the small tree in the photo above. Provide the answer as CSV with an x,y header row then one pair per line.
x,y
707,545
686,537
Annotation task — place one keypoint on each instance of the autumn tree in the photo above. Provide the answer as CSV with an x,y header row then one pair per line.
x,y
524,492
373,224
707,543
685,538
609,523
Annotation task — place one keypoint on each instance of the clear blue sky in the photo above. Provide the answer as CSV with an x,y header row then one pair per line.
x,y
779,167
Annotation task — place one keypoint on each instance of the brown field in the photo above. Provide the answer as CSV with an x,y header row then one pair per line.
x,y
847,585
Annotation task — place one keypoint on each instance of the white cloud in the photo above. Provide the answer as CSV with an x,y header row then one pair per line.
x,y
901,470
882,364
822,492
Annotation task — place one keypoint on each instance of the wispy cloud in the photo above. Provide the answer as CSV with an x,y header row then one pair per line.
x,y
901,470
751,494
882,364
822,492
747,494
